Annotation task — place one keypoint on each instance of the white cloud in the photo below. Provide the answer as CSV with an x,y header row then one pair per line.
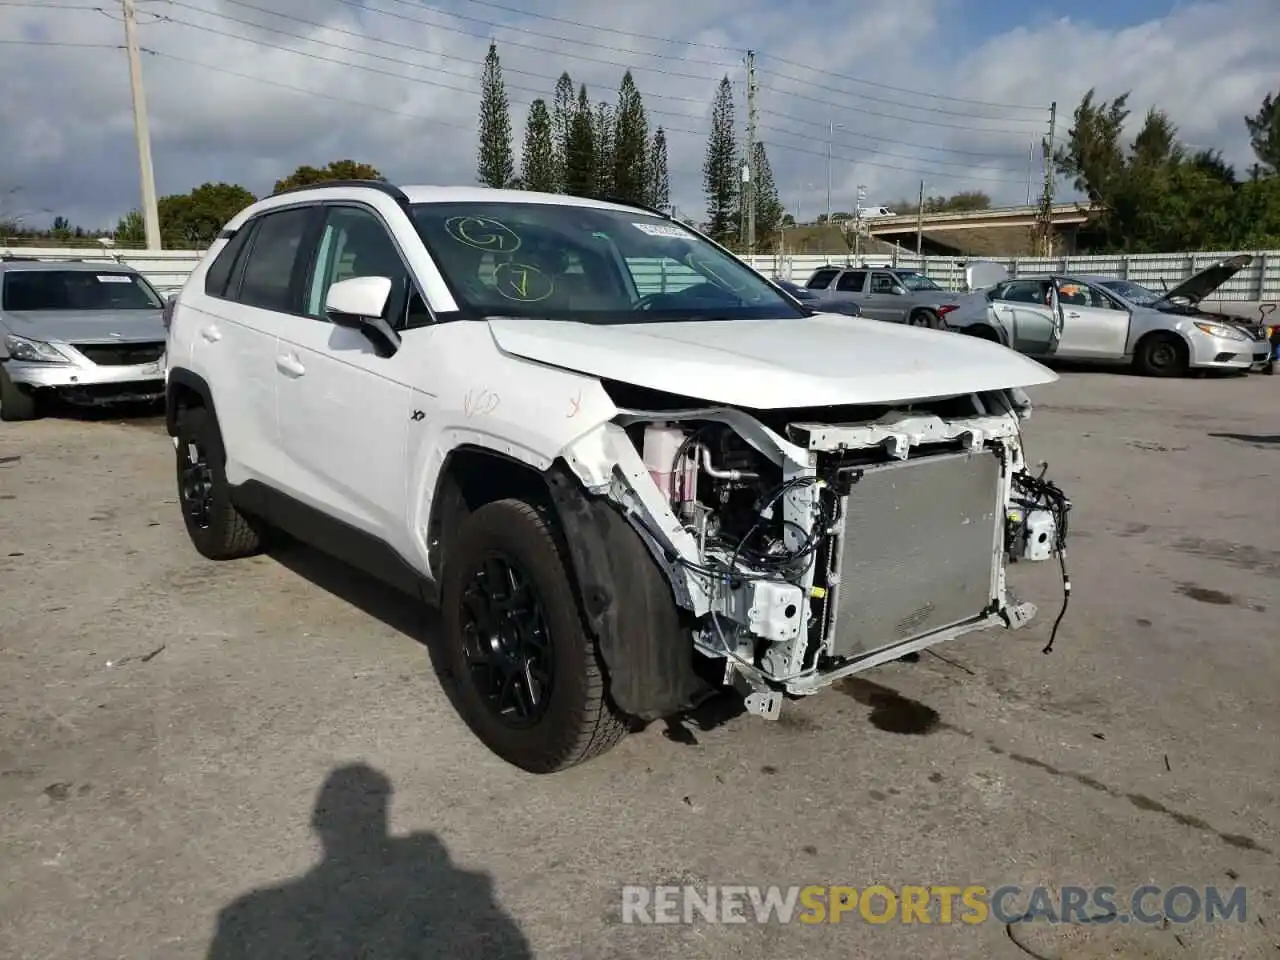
x,y
68,119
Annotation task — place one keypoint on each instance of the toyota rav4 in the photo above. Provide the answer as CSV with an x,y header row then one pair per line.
x,y
629,469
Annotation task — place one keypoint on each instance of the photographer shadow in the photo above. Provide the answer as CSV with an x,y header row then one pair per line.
x,y
372,896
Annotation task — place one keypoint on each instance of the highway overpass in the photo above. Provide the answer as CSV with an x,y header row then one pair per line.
x,y
1007,231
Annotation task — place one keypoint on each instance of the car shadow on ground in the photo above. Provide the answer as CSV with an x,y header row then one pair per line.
x,y
133,412
372,895
421,622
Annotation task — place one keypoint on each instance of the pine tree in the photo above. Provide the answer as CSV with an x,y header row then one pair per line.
x,y
539,161
604,134
630,144
562,111
496,162
659,193
580,155
720,172
769,208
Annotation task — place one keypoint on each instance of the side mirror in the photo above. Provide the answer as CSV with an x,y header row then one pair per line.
x,y
358,303
899,291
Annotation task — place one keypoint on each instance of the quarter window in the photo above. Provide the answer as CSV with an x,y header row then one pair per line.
x,y
218,277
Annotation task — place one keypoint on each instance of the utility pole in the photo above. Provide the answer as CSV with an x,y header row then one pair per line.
x,y
831,135
150,210
920,223
1046,199
751,151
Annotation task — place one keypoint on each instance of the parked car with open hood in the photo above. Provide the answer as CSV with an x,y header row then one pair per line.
x,y
89,333
1103,319
628,468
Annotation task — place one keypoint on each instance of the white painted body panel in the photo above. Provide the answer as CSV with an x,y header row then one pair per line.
x,y
768,364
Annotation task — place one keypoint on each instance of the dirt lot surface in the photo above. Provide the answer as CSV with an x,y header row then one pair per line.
x,y
166,725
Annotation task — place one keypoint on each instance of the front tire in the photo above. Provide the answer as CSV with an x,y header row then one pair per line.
x,y
1162,355
217,529
528,677
924,318
15,403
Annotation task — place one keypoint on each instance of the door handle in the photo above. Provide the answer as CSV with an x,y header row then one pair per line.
x,y
211,334
1074,315
290,365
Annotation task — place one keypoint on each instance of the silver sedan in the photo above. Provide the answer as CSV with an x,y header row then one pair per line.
x,y
1093,318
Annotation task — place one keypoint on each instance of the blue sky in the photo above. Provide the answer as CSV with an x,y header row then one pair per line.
x,y
246,90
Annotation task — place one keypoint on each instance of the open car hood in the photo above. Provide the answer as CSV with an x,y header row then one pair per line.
x,y
820,360
1200,285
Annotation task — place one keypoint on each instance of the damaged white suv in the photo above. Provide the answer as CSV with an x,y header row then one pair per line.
x,y
628,468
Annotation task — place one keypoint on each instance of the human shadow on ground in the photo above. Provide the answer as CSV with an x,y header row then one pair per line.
x,y
372,896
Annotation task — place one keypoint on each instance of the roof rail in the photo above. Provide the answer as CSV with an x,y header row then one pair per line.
x,y
390,189
638,206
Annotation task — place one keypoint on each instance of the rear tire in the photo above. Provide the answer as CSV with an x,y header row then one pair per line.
x,y
1162,355
16,403
217,529
528,678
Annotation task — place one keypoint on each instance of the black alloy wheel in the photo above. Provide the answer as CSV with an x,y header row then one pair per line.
x,y
195,484
506,642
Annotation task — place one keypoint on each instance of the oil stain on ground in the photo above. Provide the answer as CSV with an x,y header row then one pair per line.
x,y
1205,595
890,710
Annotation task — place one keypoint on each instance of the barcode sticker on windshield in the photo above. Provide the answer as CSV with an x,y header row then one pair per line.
x,y
661,230
114,278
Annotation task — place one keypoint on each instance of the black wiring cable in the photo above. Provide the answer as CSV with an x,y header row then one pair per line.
x,y
1041,494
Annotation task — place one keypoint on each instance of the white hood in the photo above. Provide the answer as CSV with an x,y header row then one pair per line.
x,y
817,361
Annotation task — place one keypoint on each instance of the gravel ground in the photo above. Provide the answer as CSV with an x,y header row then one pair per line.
x,y
166,726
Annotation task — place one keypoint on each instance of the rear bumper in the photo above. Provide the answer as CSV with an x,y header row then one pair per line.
x,y
90,385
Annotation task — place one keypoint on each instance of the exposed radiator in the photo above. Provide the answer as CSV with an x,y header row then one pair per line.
x,y
921,548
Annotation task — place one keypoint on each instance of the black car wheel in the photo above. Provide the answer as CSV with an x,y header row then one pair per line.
x,y
528,678
16,403
1162,355
216,528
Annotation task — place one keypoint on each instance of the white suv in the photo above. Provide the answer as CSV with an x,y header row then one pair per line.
x,y
628,468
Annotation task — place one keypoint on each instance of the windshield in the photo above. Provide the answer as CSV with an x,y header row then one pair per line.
x,y
76,290
565,262
916,281
1133,292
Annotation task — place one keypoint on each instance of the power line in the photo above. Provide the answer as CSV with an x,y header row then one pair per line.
x,y
377,56
827,104
984,154
361,104
65,43
595,27
363,7
457,89
904,90
894,103
885,153
470,76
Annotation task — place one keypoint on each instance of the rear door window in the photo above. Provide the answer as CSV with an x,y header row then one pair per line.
x,y
268,280
852,281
